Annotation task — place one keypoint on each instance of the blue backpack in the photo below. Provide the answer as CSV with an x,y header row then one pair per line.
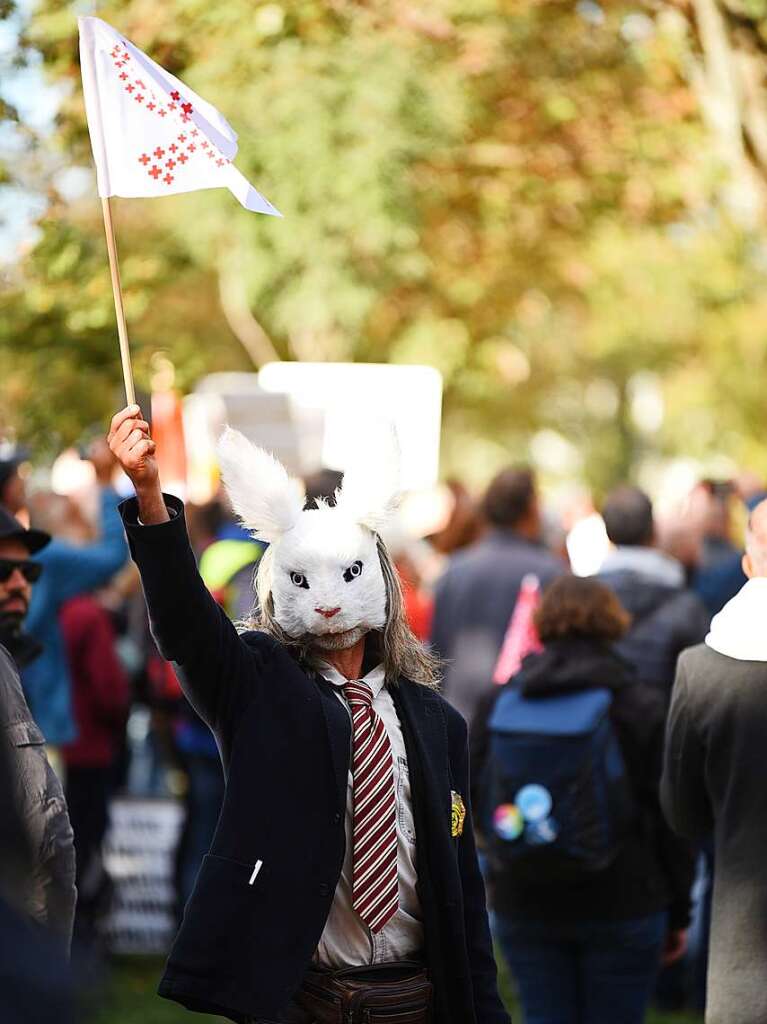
x,y
556,796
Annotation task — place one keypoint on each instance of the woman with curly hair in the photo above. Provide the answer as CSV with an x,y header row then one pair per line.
x,y
584,922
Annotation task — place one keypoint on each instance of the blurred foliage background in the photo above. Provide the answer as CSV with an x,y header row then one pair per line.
x,y
561,205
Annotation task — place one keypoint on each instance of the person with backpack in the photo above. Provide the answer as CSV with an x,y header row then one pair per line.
x,y
589,887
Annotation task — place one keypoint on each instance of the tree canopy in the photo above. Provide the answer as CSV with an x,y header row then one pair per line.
x,y
529,196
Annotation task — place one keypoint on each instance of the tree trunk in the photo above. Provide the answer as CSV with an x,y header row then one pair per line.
x,y
248,331
729,82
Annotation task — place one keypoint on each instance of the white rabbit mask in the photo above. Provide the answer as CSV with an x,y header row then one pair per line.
x,y
322,570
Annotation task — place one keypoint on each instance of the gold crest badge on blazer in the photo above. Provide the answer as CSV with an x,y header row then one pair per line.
x,y
457,814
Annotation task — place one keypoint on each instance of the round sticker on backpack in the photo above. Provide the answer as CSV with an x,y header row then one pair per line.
x,y
508,822
534,802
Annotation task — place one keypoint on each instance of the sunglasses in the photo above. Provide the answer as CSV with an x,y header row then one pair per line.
x,y
29,570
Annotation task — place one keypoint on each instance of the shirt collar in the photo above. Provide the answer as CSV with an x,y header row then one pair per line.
x,y
375,679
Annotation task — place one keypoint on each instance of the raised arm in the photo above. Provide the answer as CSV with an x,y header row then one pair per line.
x,y
133,447
220,673
80,568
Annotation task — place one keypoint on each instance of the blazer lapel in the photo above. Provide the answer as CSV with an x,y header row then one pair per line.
x,y
424,729
425,733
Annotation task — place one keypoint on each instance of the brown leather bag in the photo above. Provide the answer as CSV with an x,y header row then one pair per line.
x,y
395,993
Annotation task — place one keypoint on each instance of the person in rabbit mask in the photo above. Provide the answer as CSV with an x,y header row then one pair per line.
x,y
342,882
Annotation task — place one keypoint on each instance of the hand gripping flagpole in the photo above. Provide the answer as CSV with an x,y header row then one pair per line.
x,y
122,329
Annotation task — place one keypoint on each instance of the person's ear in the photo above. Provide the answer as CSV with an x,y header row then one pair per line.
x,y
748,569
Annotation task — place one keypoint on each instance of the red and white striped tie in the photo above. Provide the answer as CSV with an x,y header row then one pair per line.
x,y
375,893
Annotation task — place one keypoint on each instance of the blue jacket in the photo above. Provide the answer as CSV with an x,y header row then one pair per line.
x,y
68,570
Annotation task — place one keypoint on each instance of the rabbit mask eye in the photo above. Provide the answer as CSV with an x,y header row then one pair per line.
x,y
299,580
353,572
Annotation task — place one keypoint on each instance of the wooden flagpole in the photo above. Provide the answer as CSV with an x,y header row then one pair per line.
x,y
122,330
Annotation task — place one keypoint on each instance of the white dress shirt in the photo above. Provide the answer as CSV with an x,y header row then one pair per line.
x,y
346,940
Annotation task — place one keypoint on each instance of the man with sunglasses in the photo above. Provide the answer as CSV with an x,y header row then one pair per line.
x,y
46,892
17,574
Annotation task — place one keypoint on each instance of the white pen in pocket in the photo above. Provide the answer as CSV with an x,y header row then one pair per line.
x,y
256,868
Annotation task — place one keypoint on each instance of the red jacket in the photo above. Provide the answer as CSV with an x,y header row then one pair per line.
x,y
100,693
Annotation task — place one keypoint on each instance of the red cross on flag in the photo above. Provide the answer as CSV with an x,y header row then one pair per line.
x,y
151,135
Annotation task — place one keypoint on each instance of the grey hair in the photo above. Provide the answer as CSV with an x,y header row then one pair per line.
x,y
403,654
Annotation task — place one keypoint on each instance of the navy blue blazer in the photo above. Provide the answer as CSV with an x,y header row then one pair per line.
x,y
248,935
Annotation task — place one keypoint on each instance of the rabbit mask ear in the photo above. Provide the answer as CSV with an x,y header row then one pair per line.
x,y
260,490
370,491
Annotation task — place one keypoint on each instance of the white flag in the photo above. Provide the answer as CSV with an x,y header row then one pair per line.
x,y
151,135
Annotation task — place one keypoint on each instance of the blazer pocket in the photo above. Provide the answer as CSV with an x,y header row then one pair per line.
x,y
220,915
230,860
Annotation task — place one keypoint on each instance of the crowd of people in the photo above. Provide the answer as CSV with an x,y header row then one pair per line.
x,y
615,768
